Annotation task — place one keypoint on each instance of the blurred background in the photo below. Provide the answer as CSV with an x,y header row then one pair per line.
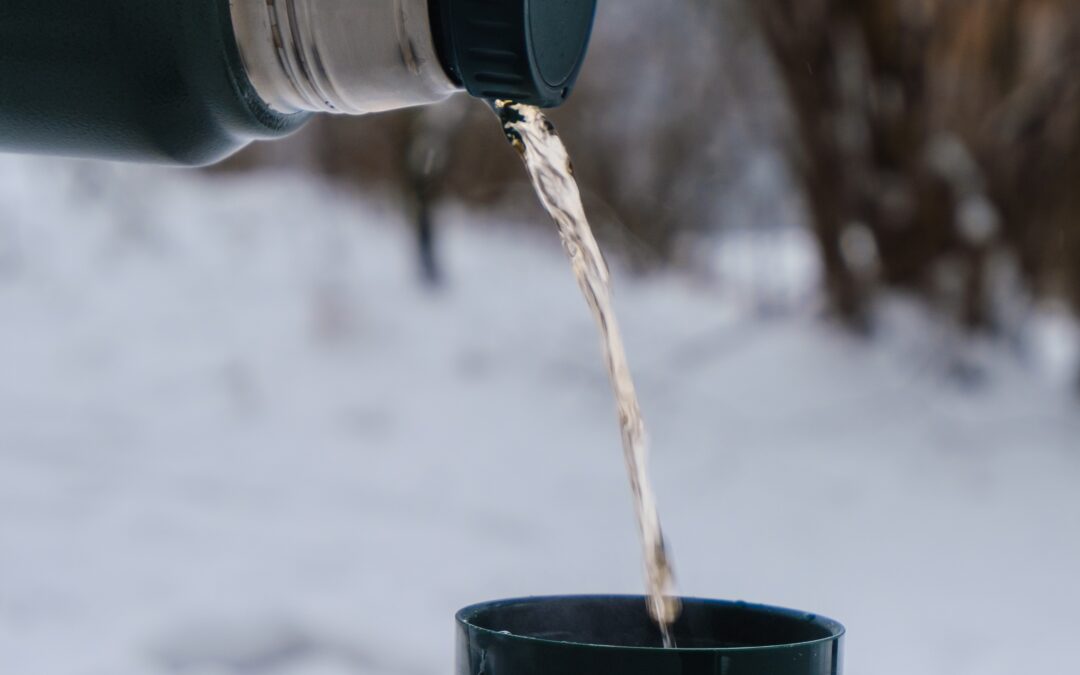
x,y
286,415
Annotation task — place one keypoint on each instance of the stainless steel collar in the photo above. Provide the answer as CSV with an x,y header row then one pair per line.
x,y
340,56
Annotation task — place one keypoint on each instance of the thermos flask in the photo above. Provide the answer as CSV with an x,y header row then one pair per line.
x,y
192,81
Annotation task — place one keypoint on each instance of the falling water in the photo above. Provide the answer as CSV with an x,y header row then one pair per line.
x,y
545,156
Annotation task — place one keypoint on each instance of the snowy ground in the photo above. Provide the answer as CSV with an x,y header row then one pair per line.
x,y
236,437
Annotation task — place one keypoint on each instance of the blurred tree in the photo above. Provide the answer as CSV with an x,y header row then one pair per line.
x,y
432,137
934,140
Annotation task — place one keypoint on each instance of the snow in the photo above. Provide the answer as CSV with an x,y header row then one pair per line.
x,y
237,436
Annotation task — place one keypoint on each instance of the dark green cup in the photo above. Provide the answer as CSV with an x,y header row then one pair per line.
x,y
613,635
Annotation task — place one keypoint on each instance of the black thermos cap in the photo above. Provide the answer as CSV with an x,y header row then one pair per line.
x,y
528,51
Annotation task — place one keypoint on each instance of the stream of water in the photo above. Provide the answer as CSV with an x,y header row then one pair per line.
x,y
546,159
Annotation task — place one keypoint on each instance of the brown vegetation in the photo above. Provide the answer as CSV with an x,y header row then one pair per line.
x,y
935,140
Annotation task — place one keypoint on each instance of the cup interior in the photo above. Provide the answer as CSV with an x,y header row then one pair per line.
x,y
622,621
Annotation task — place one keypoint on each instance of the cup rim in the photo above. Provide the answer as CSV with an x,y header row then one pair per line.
x,y
836,629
